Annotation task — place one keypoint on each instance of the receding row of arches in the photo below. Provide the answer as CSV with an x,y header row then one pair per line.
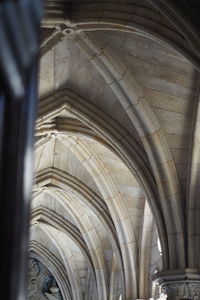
x,y
116,153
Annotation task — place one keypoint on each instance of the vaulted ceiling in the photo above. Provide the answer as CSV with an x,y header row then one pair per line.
x,y
117,147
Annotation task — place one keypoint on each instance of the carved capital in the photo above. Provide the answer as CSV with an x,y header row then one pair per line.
x,y
179,284
186,290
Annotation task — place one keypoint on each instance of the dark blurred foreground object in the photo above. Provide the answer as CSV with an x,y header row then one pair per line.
x,y
19,43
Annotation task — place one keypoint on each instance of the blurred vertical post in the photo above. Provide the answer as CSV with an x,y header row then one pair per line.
x,y
19,44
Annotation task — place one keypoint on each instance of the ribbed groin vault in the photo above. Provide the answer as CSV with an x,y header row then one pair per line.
x,y
115,209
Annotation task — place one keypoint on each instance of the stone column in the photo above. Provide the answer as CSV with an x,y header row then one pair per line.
x,y
179,284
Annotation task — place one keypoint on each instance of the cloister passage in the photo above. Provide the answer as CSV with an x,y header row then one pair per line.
x,y
115,208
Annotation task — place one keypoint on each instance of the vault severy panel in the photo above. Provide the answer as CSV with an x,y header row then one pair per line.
x,y
56,155
168,84
68,67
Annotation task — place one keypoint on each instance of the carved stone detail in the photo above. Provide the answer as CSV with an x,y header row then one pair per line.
x,y
34,271
187,290
179,285
41,283
54,294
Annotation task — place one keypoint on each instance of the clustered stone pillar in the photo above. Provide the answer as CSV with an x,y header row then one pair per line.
x,y
179,284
